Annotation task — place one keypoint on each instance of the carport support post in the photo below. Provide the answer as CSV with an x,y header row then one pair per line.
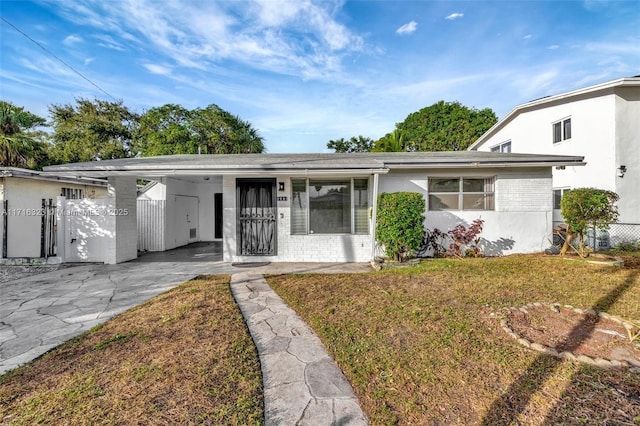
x,y
122,218
61,228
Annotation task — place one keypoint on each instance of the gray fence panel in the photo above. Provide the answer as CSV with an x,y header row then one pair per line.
x,y
151,224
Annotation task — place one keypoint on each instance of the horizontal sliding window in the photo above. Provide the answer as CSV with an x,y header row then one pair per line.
x,y
459,193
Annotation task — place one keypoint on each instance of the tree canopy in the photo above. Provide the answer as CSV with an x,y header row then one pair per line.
x,y
172,129
92,130
355,144
20,144
444,126
393,142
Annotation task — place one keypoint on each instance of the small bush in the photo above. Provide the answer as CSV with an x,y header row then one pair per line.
x,y
628,246
466,240
400,223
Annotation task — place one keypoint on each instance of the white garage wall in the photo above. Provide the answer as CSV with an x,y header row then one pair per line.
x,y
25,201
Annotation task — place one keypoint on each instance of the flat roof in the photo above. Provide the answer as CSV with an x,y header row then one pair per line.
x,y
18,172
211,164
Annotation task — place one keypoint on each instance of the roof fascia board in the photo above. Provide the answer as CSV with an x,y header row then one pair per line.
x,y
489,165
57,177
151,173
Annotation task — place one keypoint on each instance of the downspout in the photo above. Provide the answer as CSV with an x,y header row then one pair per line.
x,y
374,213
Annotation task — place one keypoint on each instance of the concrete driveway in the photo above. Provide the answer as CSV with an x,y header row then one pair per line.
x,y
39,312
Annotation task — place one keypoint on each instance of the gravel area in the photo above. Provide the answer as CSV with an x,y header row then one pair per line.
x,y
10,273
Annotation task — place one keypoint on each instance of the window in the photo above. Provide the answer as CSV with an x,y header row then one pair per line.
x,y
329,206
459,193
72,193
562,130
557,197
503,147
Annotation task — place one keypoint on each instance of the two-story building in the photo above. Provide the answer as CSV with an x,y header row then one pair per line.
x,y
601,123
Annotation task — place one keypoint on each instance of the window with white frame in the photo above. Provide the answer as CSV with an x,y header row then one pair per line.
x,y
557,196
72,193
329,206
503,147
561,130
461,193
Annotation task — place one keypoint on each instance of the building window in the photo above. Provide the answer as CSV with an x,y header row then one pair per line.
x,y
503,147
562,130
329,206
72,193
557,197
457,193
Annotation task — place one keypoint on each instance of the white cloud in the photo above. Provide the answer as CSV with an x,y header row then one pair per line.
x,y
158,69
528,36
72,39
536,83
553,47
109,42
407,28
87,61
300,38
456,15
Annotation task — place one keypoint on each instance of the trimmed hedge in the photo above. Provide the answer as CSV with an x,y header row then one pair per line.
x,y
400,223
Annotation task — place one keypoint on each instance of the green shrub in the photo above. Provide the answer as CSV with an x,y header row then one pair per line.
x,y
585,208
400,223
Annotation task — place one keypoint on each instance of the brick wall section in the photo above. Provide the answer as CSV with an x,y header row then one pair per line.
x,y
523,193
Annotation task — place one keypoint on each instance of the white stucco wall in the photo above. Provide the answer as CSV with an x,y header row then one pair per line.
x,y
293,248
25,202
521,221
605,130
627,152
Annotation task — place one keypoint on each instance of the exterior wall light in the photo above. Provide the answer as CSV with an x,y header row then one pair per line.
x,y
281,186
621,171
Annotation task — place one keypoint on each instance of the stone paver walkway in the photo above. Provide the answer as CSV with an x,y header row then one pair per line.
x,y
302,383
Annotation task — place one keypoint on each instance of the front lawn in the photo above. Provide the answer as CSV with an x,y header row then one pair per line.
x,y
423,345
184,357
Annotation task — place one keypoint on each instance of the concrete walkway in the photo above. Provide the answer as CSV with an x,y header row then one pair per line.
x,y
39,312
302,383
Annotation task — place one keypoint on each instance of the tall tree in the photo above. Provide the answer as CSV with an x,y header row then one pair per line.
x,y
172,129
355,144
92,130
393,142
165,130
20,141
445,126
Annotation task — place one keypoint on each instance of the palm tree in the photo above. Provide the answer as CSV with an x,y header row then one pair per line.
x,y
393,142
18,148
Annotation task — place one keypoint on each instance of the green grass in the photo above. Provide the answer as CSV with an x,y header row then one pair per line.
x,y
423,345
184,357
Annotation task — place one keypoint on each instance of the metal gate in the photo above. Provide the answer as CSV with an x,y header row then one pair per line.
x,y
256,201
48,226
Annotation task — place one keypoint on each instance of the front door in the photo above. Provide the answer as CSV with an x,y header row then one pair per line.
x,y
256,201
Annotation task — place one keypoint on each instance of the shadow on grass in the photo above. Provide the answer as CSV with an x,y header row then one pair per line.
x,y
505,410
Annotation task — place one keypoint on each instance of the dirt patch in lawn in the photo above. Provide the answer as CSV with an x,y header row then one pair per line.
x,y
566,329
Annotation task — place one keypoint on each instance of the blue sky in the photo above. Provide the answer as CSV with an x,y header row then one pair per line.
x,y
305,72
